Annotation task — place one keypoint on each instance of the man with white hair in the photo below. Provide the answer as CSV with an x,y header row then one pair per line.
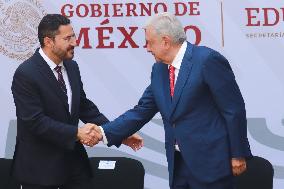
x,y
202,108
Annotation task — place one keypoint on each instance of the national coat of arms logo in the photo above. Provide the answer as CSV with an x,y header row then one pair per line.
x,y
18,27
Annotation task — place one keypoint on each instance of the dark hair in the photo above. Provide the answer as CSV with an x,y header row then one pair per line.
x,y
49,25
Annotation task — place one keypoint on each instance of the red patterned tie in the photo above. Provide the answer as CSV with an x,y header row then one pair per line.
x,y
172,79
60,79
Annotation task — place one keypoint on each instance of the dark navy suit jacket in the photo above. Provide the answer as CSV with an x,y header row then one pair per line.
x,y
46,145
206,116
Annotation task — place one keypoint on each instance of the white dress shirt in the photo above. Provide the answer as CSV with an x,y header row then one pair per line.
x,y
176,64
52,66
178,59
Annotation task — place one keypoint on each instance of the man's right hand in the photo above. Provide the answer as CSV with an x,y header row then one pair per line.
x,y
89,134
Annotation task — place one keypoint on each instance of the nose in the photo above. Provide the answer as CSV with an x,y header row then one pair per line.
x,y
74,42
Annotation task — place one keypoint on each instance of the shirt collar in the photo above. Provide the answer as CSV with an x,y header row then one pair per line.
x,y
178,58
50,63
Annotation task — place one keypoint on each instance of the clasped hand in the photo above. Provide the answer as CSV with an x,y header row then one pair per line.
x,y
90,134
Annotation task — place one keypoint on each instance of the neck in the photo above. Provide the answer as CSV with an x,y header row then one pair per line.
x,y
51,55
171,54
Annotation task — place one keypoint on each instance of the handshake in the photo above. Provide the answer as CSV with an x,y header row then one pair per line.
x,y
90,134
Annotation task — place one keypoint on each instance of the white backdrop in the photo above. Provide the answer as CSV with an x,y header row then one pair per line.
x,y
249,33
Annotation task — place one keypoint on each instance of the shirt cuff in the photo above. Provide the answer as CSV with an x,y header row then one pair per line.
x,y
104,136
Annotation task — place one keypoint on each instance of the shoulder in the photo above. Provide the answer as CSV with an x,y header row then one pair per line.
x,y
202,51
206,55
27,67
24,74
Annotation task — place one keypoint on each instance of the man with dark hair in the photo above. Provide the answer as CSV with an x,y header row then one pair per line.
x,y
50,100
49,25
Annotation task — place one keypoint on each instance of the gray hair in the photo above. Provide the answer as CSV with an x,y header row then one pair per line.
x,y
167,24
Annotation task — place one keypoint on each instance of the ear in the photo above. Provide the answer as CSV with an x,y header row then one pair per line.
x,y
166,40
48,42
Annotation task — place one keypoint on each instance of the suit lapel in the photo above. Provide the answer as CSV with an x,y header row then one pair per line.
x,y
48,74
74,85
165,86
183,76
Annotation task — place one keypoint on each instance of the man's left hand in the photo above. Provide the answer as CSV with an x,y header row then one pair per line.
x,y
238,166
134,141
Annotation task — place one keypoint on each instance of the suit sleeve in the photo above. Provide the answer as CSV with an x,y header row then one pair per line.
x,y
30,113
89,112
132,120
220,79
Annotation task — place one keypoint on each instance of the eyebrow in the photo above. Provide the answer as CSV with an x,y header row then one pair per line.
x,y
71,35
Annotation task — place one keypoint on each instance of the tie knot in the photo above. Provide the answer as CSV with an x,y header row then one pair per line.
x,y
58,69
172,69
